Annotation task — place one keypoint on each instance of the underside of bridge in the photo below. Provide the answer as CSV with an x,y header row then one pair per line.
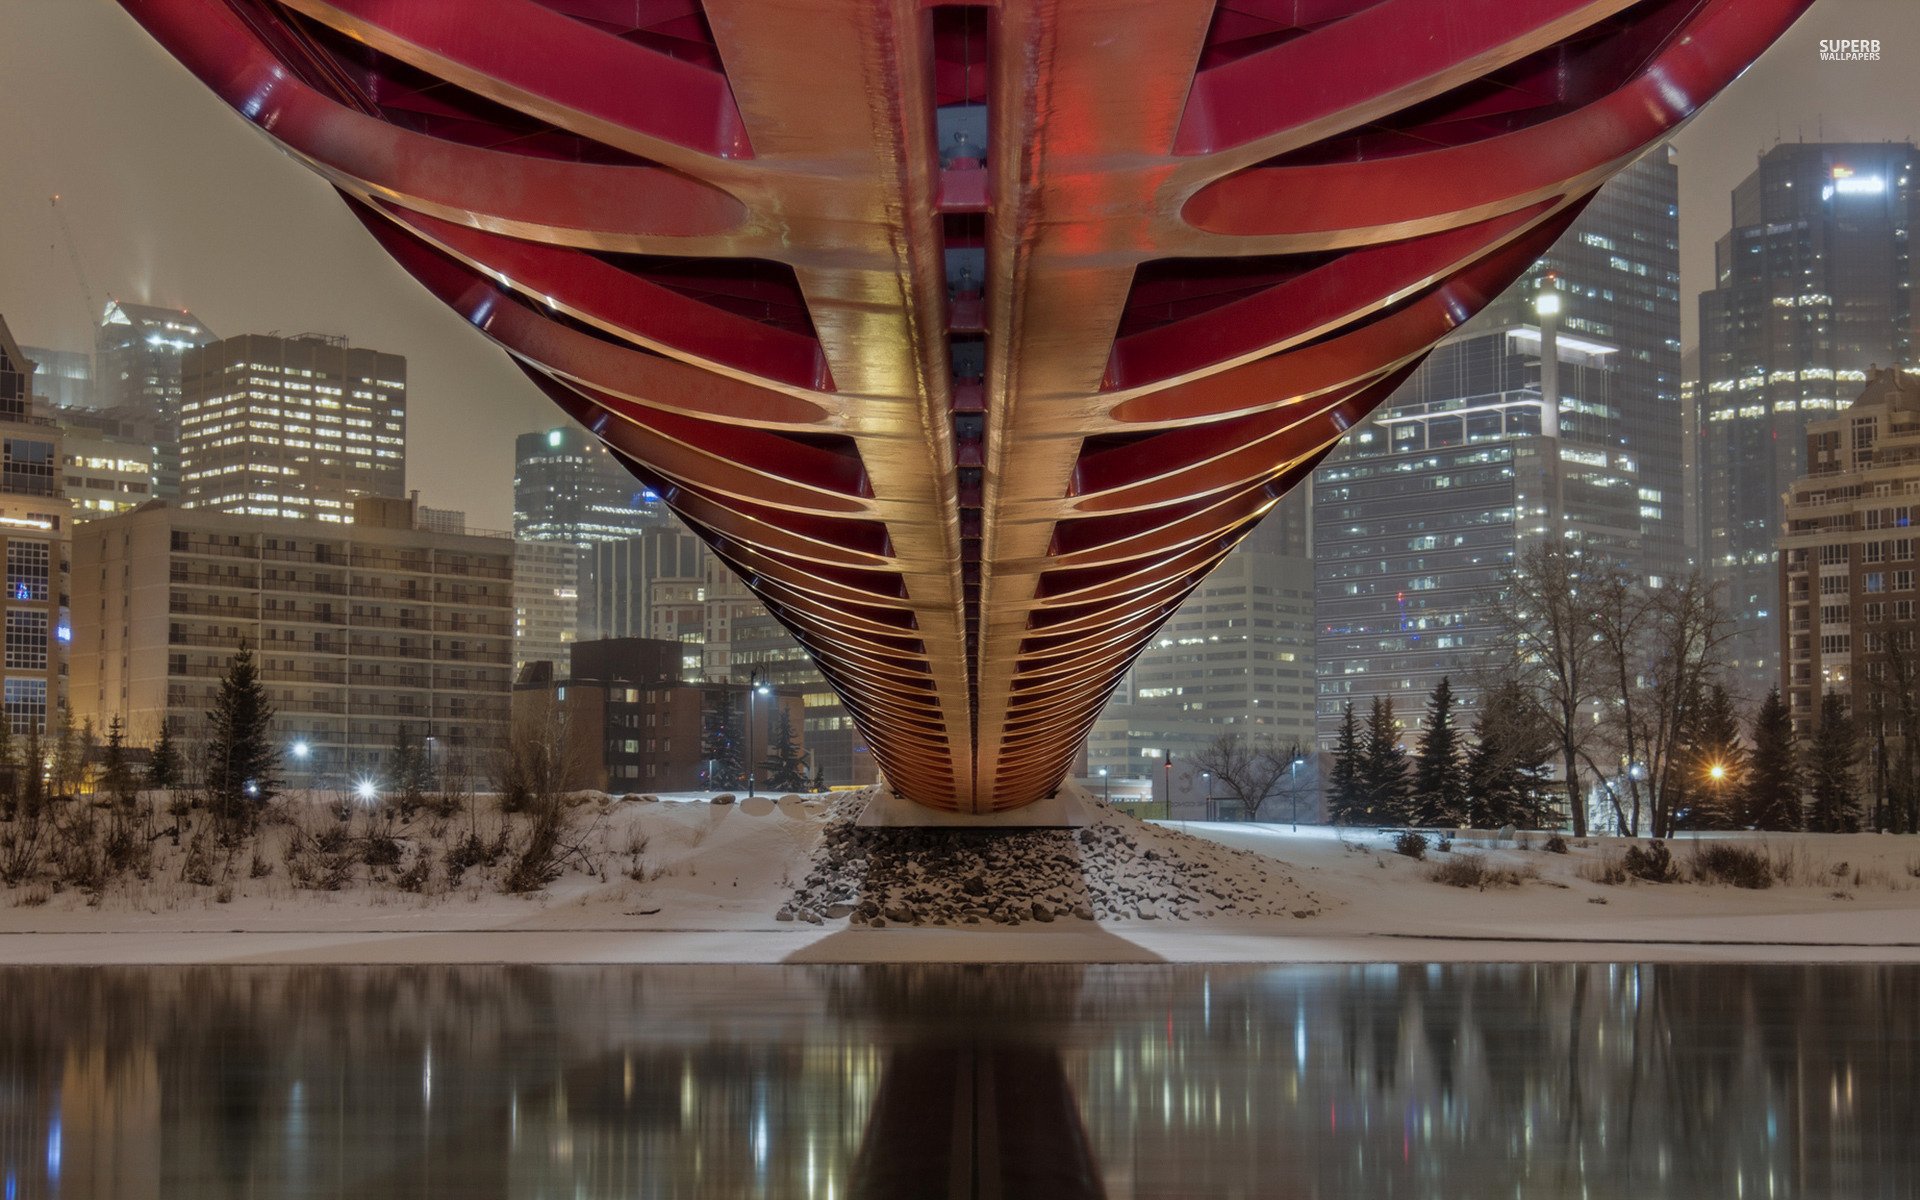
x,y
971,335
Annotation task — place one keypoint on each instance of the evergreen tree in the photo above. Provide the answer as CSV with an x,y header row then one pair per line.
x,y
1772,792
1715,764
115,775
33,779
819,783
163,761
1830,758
1439,777
785,766
1383,767
9,771
1509,767
243,764
721,744
1345,804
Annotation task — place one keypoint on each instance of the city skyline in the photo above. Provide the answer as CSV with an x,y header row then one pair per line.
x,y
155,173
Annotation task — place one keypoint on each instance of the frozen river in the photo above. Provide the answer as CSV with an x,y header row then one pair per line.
x,y
1059,1082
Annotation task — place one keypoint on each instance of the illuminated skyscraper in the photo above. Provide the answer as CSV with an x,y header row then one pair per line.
x,y
291,427
568,488
1814,287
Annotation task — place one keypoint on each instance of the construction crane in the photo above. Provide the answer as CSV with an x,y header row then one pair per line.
x,y
86,287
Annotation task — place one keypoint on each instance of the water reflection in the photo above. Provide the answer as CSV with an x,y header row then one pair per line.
x,y
843,1083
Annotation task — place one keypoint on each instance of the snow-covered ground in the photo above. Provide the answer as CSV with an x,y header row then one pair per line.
x,y
700,882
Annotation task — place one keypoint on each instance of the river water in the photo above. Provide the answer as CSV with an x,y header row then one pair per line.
x,y
831,1083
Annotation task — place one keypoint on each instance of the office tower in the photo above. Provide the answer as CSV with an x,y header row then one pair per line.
x,y
546,601
1236,657
1617,272
568,488
291,427
137,353
33,529
1847,565
360,631
65,377
1493,444
1813,288
627,578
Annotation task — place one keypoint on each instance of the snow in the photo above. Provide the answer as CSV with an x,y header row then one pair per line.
x,y
686,881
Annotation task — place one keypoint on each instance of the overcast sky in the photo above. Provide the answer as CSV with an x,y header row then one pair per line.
x,y
175,200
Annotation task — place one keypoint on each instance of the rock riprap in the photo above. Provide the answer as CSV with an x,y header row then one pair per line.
x,y
1116,868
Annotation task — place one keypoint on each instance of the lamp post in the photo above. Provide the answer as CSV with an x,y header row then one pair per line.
x,y
1718,774
1293,790
1104,787
755,688
1208,776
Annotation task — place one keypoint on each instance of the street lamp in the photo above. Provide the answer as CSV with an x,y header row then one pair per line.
x,y
301,750
754,688
1103,785
1293,789
1208,776
367,791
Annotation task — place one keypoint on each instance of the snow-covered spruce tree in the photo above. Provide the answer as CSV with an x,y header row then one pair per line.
x,y
721,744
1439,777
1833,805
1509,766
1383,767
784,769
1772,792
1345,804
242,764
115,776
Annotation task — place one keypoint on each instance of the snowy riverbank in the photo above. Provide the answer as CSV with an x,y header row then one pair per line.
x,y
697,882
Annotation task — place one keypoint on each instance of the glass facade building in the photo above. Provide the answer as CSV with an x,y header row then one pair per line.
x,y
1813,288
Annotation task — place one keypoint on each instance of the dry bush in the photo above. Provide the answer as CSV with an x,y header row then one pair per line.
x,y
1608,869
1653,864
1411,844
1735,866
1474,871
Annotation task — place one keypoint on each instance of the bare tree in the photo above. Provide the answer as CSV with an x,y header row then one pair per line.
x,y
1660,651
1893,726
1251,772
1548,620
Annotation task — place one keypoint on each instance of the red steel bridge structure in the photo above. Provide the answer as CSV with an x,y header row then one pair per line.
x,y
971,335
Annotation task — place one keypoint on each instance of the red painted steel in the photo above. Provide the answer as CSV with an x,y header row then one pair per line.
x,y
1202,238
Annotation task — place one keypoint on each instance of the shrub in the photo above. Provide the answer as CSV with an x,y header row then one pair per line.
x,y
1473,871
1411,844
1736,866
414,878
380,850
1653,864
1556,845
1609,870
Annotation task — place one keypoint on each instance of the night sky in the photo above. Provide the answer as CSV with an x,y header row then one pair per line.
x,y
175,200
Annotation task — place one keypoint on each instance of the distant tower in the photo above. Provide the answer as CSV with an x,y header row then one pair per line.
x,y
1814,288
291,427
568,488
137,373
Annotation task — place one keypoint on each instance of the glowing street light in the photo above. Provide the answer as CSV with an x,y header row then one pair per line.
x,y
367,791
755,687
1104,786
301,750
1717,772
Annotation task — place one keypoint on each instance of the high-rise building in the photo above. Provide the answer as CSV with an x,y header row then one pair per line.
x,y
1493,444
360,631
33,529
65,377
138,348
546,602
627,579
1847,570
1617,273
568,488
1814,286
1236,657
291,427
